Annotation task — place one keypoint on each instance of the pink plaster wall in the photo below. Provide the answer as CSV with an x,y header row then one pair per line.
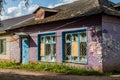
x,y
94,59
33,48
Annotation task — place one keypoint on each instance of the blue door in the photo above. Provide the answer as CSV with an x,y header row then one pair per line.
x,y
25,48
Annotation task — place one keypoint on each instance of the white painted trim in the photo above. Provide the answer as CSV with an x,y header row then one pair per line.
x,y
73,29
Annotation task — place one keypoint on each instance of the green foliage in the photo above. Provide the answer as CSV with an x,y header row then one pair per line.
x,y
7,65
2,2
52,67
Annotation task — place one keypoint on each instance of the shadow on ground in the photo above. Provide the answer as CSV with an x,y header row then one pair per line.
x,y
13,76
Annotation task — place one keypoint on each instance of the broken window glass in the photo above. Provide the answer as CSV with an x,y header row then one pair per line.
x,y
53,39
83,51
42,39
68,37
47,39
53,52
48,48
75,47
47,52
74,37
83,37
67,51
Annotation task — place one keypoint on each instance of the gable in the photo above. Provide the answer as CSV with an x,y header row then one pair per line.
x,y
40,14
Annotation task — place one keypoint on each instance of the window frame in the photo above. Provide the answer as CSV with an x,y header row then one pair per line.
x,y
3,53
39,43
64,42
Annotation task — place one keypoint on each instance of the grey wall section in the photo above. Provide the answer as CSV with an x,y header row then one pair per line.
x,y
94,59
111,43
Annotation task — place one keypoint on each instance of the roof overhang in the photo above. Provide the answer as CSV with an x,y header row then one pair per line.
x,y
117,5
46,9
21,33
2,31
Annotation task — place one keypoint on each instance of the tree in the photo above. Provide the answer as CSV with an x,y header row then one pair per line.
x,y
1,5
2,2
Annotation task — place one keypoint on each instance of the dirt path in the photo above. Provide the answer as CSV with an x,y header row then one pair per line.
x,y
16,74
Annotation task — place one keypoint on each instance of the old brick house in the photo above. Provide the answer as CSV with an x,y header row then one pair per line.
x,y
84,33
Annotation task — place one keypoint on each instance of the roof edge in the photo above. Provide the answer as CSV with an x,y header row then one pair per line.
x,y
46,9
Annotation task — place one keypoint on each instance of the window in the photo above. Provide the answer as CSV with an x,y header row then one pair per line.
x,y
75,46
48,47
2,46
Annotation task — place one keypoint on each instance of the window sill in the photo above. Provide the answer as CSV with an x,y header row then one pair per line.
x,y
47,61
81,62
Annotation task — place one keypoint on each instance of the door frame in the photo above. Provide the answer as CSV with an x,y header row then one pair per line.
x,y
21,37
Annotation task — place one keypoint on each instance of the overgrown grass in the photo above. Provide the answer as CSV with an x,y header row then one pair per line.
x,y
7,65
52,67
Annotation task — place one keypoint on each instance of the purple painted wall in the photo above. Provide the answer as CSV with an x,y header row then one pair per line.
x,y
33,48
94,56
94,51
111,43
59,47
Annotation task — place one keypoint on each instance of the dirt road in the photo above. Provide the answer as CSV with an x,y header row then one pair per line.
x,y
16,74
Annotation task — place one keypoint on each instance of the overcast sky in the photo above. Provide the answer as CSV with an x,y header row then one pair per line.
x,y
15,8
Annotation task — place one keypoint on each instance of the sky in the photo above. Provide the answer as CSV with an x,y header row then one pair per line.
x,y
16,8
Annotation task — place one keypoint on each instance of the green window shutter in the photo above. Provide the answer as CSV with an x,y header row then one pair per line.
x,y
2,46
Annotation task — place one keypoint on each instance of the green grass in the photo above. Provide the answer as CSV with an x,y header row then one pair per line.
x,y
7,65
52,67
